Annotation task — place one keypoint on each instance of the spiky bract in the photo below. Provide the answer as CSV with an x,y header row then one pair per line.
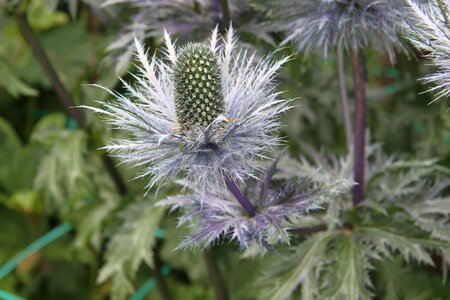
x,y
322,25
281,202
429,30
233,141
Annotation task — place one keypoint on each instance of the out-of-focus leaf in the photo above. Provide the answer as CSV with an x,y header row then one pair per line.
x,y
90,222
399,281
63,176
48,128
26,201
13,84
41,17
348,278
9,147
130,245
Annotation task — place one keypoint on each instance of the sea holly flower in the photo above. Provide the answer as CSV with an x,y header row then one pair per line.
x,y
323,24
281,200
429,30
208,111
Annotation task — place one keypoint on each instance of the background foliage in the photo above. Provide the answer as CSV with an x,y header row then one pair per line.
x,y
52,173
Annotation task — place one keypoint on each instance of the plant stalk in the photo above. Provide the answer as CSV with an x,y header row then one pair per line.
x,y
226,18
308,230
214,273
63,95
240,197
344,97
160,282
359,82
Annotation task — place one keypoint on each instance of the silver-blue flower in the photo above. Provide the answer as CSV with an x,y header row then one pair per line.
x,y
206,111
323,24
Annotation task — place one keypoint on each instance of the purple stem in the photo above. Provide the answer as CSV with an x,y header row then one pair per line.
x,y
245,203
360,125
308,230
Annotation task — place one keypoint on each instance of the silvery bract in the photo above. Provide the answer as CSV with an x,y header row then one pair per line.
x,y
281,200
206,111
431,33
322,24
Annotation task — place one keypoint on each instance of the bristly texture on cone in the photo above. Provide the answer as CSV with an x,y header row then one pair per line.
x,y
198,89
205,111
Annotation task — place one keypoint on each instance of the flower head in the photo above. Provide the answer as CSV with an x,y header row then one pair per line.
x,y
190,20
205,112
324,24
429,30
280,202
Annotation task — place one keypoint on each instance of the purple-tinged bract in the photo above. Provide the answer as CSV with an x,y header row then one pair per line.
x,y
280,202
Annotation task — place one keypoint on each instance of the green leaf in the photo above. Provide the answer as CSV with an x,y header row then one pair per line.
x,y
12,83
26,201
130,246
63,177
41,16
287,274
9,147
387,242
90,222
399,281
347,278
48,128
432,216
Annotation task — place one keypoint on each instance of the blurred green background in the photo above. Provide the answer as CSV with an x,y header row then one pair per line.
x,y
52,172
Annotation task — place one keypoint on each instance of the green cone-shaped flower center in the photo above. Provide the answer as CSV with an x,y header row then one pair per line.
x,y
198,89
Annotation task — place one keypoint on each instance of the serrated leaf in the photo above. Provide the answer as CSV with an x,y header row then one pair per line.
x,y
289,273
348,276
131,245
387,242
90,222
63,176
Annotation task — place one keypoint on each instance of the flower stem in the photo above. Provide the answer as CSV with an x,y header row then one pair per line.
x,y
63,95
226,18
359,82
41,57
160,282
308,230
214,273
344,97
245,203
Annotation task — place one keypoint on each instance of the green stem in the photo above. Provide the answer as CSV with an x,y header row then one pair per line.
x,y
214,273
63,95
